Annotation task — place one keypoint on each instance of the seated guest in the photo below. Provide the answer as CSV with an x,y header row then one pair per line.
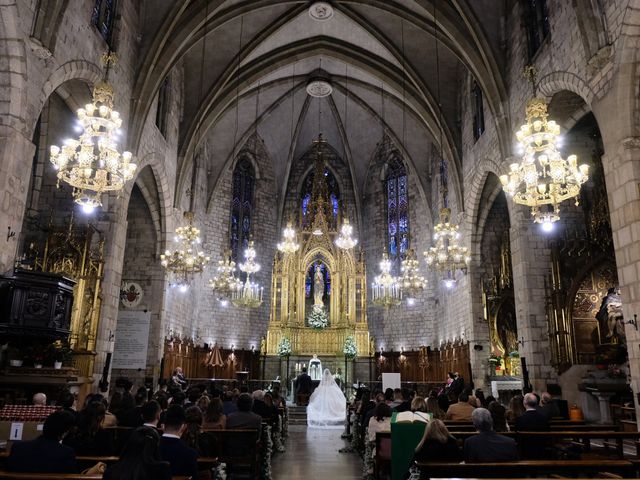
x,y
193,395
203,444
532,421
388,397
461,411
437,445
66,399
405,405
516,408
150,413
177,379
244,418
203,402
498,413
126,412
182,459
132,416
214,418
418,404
259,407
46,454
433,407
228,403
397,398
140,459
479,394
89,438
487,445
39,399
548,407
379,398
380,421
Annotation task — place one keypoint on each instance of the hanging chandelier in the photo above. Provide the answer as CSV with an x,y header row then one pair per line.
x,y
224,282
289,244
386,291
186,261
345,240
248,294
447,256
413,284
542,177
92,164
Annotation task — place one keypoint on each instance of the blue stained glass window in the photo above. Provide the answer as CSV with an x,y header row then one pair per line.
x,y
103,16
241,208
397,209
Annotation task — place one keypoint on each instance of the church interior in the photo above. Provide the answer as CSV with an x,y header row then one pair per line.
x,y
416,194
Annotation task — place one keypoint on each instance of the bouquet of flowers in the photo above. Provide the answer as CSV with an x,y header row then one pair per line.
x,y
284,347
318,318
350,349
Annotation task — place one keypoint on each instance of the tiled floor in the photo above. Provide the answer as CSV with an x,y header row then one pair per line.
x,y
313,454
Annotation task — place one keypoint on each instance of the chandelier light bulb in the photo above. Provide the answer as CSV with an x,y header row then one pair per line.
x,y
345,240
447,256
289,244
386,290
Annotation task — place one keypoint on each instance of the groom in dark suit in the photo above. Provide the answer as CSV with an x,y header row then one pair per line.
x,y
304,385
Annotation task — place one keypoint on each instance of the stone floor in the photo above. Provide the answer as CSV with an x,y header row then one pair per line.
x,y
313,454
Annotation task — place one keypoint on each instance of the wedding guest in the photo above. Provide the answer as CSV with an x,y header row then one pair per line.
x,y
150,414
532,448
487,445
481,399
203,402
89,438
229,403
388,397
46,454
214,418
66,400
405,405
39,399
418,404
177,379
244,417
498,414
516,408
140,459
461,411
548,407
437,444
182,459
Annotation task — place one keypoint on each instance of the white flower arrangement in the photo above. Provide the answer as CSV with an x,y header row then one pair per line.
x,y
318,318
284,347
350,348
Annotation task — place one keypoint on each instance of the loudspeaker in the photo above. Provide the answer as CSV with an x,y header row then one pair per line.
x,y
478,347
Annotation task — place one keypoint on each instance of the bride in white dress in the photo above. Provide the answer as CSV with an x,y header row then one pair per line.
x,y
327,405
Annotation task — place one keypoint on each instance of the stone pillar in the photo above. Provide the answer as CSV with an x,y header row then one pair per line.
x,y
622,175
530,261
16,159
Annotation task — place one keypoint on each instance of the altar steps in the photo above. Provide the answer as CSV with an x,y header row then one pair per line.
x,y
297,415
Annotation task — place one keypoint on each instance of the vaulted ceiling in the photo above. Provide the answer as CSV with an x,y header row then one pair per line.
x,y
246,65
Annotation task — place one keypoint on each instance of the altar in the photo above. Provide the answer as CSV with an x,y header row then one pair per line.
x,y
318,293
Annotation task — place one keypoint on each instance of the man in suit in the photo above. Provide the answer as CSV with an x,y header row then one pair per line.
x,y
150,413
182,459
532,421
243,419
259,406
405,404
46,454
304,385
487,445
460,411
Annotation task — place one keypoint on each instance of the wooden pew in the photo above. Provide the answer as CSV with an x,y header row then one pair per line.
x,y
525,468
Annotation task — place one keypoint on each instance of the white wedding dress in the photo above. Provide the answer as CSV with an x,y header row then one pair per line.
x,y
327,405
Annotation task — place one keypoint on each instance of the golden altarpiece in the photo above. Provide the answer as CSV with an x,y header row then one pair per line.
x,y
318,273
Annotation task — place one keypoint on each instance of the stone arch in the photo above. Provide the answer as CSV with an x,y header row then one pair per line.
x,y
556,81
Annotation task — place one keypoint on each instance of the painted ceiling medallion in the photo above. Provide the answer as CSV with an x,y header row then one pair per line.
x,y
321,11
319,88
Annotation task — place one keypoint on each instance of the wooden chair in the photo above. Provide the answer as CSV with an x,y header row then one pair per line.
x,y
383,455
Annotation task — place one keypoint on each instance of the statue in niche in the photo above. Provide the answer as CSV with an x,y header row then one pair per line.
x,y
610,317
318,287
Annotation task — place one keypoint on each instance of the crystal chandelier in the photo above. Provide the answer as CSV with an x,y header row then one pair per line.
x,y
386,291
92,164
345,240
289,244
186,260
248,294
543,177
224,282
447,256
413,284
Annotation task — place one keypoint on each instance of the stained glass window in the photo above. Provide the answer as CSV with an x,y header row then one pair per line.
x,y
334,197
536,20
478,111
162,112
241,207
103,16
397,209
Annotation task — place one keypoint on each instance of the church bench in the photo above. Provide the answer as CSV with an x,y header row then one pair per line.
x,y
525,468
246,438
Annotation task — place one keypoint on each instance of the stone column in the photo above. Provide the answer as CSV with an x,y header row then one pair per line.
x,y
16,159
530,261
622,175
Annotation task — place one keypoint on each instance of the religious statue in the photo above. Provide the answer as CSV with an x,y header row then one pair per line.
x,y
609,318
318,288
315,368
